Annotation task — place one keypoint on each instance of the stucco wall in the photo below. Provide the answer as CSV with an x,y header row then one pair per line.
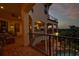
x,y
38,13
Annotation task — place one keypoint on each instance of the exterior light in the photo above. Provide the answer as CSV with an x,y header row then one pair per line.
x,y
76,50
1,7
56,33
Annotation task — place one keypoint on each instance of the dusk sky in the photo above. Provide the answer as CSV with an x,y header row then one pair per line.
x,y
67,14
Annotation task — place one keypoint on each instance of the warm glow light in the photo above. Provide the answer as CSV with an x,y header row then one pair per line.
x,y
12,27
37,26
39,22
56,33
50,26
1,7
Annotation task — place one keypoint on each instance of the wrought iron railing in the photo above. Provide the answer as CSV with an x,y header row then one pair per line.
x,y
55,45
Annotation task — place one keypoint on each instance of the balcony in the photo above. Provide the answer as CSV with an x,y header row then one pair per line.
x,y
53,45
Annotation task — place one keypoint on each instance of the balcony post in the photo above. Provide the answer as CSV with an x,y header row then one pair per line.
x,y
49,45
25,26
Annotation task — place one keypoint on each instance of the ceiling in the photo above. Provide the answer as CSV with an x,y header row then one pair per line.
x,y
14,9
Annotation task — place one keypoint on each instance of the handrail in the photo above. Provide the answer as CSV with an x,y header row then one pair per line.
x,y
55,35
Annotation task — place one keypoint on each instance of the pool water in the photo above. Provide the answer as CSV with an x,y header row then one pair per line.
x,y
66,53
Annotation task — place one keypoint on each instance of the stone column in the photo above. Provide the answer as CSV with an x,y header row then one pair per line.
x,y
25,19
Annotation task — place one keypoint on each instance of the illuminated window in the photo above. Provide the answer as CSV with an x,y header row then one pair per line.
x,y
39,26
49,28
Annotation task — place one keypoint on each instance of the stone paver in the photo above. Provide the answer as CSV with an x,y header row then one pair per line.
x,y
21,51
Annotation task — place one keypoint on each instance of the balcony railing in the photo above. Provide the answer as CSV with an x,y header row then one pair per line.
x,y
55,45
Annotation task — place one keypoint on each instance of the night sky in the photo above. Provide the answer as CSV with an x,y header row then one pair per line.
x,y
67,14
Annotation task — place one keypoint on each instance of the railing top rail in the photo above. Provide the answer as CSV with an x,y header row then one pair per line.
x,y
43,34
55,35
68,37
